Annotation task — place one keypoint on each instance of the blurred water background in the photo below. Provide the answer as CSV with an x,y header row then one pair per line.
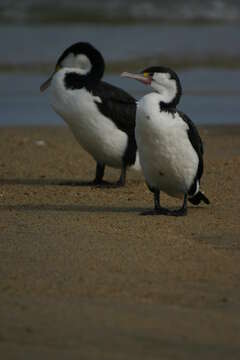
x,y
198,38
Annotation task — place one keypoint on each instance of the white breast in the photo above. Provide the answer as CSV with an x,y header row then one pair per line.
x,y
96,133
168,160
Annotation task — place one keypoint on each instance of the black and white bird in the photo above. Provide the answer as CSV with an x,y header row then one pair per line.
x,y
101,116
169,145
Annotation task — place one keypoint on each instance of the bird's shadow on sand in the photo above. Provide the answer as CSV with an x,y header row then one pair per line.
x,y
68,207
82,208
71,208
57,182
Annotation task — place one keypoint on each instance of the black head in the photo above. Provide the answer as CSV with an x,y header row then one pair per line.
x,y
84,63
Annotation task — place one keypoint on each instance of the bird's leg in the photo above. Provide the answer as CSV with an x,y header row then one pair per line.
x,y
98,181
158,210
182,211
157,200
99,174
122,179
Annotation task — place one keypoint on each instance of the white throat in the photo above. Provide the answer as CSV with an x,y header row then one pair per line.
x,y
165,87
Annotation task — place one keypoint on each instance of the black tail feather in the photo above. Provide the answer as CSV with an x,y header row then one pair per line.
x,y
196,199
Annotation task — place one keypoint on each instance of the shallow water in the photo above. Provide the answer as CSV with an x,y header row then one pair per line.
x,y
43,44
211,94
210,97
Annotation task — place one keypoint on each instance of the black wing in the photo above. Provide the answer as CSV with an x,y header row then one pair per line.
x,y
196,142
117,105
120,107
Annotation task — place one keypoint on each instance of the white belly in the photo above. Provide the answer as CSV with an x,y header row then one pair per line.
x,y
96,133
167,157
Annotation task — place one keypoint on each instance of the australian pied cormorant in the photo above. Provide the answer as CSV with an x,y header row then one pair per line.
x,y
101,116
169,145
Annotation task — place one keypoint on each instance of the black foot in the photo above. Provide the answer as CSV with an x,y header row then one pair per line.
x,y
101,183
120,183
106,184
178,212
166,212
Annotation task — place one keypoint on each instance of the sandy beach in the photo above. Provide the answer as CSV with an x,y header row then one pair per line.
x,y
84,276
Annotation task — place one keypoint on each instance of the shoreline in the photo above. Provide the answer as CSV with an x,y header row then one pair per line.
x,y
85,276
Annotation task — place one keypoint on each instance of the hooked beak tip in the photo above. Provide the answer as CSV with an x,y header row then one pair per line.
x,y
125,74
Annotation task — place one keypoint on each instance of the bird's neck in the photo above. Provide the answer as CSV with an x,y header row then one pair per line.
x,y
74,80
152,106
168,96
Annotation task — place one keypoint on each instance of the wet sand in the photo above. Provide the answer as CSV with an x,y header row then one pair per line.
x,y
84,276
